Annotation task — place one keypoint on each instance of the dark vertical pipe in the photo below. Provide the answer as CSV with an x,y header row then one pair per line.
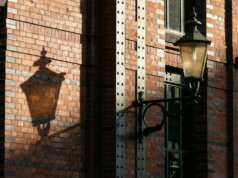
x,y
3,36
92,81
229,80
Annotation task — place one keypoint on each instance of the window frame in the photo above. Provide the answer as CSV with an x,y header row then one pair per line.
x,y
182,22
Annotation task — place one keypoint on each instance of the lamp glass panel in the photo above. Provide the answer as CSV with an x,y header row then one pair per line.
x,y
194,58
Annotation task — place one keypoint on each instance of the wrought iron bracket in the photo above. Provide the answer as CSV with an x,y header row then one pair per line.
x,y
142,107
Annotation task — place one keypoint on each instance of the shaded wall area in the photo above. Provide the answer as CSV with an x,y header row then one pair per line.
x,y
108,89
222,89
92,94
57,155
234,5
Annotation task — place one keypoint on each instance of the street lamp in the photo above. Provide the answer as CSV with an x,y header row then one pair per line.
x,y
193,51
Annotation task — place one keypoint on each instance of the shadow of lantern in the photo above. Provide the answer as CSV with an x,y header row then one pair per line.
x,y
42,93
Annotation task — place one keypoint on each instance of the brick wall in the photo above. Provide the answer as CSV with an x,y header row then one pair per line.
x,y
44,135
221,91
60,91
54,74
154,77
215,120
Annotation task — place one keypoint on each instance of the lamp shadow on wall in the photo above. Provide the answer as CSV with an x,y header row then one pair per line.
x,y
42,93
56,152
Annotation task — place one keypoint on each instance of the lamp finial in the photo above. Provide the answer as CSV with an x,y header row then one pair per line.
x,y
193,22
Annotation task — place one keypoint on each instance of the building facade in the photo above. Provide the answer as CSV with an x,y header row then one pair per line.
x,y
70,71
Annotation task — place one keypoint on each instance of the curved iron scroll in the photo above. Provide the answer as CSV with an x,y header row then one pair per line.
x,y
143,106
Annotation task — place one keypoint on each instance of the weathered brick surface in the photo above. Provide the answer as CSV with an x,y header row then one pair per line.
x,y
130,148
43,88
59,92
221,102
155,66
155,29
213,119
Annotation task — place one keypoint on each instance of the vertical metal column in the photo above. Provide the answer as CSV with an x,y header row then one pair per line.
x,y
120,87
141,53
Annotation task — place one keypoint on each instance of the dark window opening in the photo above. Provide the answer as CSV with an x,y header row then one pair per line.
x,y
178,130
174,15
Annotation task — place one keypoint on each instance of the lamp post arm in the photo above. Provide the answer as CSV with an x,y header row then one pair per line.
x,y
143,106
190,102
193,98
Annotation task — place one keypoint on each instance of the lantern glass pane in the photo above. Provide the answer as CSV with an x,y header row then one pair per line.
x,y
194,58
